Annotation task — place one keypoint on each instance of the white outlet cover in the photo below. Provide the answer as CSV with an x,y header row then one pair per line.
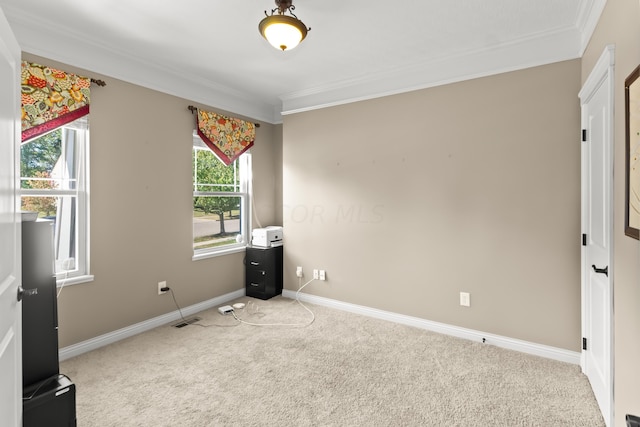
x,y
465,299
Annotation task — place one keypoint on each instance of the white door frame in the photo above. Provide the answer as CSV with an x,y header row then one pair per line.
x,y
602,74
10,247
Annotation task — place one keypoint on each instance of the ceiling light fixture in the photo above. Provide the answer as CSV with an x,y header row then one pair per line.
x,y
283,31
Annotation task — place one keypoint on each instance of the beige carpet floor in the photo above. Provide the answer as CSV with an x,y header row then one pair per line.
x,y
342,370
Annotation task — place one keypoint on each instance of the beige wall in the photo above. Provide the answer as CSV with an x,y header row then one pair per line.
x,y
407,200
620,25
141,211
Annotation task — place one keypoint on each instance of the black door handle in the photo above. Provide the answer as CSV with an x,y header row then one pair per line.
x,y
26,292
604,271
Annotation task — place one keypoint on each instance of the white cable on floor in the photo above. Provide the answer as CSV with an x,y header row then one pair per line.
x,y
313,316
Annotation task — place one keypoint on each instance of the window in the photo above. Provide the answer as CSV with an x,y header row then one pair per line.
x,y
53,182
220,202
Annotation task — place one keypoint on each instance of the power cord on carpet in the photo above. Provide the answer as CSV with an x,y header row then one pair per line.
x,y
304,325
185,320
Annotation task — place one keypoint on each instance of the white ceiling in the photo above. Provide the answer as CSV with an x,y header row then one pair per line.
x,y
210,51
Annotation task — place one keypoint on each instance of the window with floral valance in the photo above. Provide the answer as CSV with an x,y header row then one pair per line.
x,y
54,161
221,186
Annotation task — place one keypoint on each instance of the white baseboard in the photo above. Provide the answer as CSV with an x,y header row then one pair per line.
x,y
111,337
443,328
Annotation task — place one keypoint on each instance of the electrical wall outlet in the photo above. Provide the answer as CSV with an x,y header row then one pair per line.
x,y
316,274
322,275
299,271
161,285
465,299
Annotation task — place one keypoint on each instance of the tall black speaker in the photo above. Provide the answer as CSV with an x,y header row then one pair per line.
x,y
39,310
49,399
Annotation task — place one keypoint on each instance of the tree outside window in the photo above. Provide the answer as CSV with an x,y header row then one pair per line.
x,y
219,201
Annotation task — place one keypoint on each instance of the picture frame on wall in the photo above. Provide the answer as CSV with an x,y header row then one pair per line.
x,y
632,175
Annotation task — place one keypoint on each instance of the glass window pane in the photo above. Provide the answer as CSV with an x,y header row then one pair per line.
x,y
39,156
220,206
46,207
53,169
39,181
216,220
210,174
62,211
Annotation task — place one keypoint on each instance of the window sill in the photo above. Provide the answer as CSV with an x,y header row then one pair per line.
x,y
74,280
234,250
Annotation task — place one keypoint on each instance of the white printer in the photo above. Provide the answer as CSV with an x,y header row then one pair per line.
x,y
267,237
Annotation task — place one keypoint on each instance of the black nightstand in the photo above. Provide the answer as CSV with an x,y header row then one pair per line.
x,y
263,272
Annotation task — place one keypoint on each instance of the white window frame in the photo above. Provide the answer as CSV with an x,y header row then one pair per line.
x,y
245,205
78,270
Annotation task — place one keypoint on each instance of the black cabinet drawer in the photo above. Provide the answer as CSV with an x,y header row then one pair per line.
x,y
257,258
256,280
263,272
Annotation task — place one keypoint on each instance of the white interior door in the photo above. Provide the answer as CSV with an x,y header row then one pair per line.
x,y
10,308
596,99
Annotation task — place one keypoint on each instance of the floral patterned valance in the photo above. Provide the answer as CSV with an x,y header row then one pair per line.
x,y
51,98
227,137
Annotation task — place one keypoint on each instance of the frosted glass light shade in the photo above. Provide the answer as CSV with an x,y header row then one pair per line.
x,y
282,31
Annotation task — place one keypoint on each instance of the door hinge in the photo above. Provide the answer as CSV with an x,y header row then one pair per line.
x,y
584,240
584,135
584,343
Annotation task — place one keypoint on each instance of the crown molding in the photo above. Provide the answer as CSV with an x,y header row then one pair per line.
x,y
539,49
587,20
